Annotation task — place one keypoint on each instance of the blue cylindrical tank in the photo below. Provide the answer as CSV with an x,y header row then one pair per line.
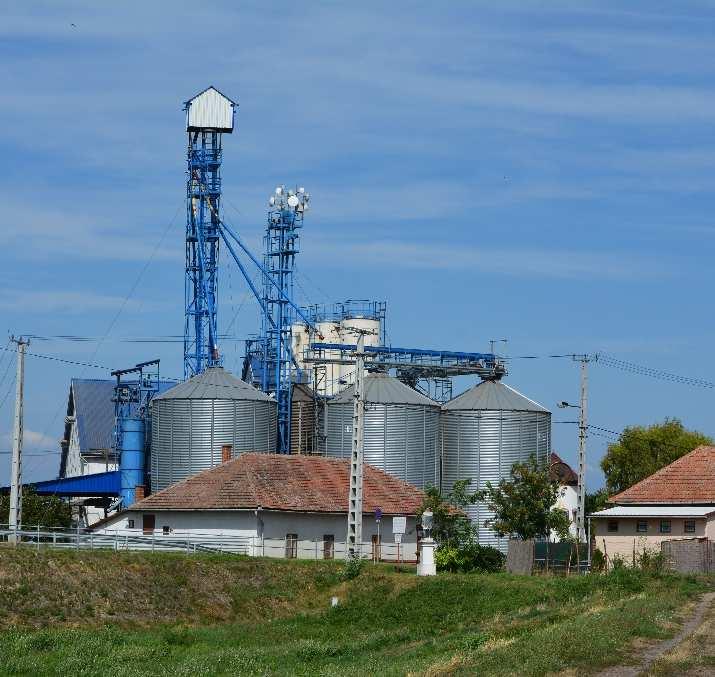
x,y
132,458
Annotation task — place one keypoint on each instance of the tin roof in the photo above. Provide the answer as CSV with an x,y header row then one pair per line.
x,y
688,480
383,389
94,410
209,109
287,483
214,384
493,396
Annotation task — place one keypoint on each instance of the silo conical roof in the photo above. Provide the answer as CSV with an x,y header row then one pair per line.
x,y
214,384
383,389
493,396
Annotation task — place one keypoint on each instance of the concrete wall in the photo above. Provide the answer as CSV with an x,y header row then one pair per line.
x,y
627,538
568,501
267,530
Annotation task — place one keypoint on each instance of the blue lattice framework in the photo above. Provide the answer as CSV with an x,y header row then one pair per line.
x,y
209,115
277,367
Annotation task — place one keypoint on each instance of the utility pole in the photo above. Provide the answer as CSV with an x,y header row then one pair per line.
x,y
15,516
357,456
582,435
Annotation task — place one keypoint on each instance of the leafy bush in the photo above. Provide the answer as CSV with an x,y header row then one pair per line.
x,y
353,567
469,557
651,561
598,561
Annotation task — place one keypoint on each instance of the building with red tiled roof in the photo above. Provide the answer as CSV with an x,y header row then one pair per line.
x,y
676,502
564,474
277,502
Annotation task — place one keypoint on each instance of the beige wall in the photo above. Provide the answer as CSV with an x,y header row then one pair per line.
x,y
627,538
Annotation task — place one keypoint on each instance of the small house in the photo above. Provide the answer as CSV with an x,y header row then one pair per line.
x,y
676,502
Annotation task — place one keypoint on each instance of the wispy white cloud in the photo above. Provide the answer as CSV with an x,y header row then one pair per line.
x,y
68,302
35,232
521,262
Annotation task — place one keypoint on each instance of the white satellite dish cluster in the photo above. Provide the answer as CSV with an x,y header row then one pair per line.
x,y
286,199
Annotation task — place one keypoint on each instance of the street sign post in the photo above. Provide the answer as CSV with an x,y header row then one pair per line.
x,y
399,527
378,519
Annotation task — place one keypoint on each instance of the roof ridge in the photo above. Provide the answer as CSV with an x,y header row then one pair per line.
x,y
654,478
284,482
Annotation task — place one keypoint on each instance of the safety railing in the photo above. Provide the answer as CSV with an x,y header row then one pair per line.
x,y
191,542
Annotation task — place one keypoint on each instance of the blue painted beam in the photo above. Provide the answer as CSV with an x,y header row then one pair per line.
x,y
414,352
98,484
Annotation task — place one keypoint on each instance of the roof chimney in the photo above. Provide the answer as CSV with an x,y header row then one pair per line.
x,y
226,450
139,493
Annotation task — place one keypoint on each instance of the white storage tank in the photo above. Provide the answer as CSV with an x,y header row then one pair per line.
x,y
193,420
401,429
484,431
329,380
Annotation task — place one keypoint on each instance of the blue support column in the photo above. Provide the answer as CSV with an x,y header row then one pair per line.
x,y
131,445
269,358
203,196
209,115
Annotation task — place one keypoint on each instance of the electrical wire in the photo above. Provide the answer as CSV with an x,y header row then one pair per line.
x,y
641,370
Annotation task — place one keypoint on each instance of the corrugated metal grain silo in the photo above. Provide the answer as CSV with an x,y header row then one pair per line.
x,y
302,420
401,429
485,430
193,420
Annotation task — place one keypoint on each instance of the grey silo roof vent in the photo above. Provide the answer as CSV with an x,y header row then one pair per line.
x,y
384,389
493,396
214,384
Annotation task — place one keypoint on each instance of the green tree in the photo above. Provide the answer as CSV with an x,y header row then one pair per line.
x,y
458,549
596,501
47,511
450,523
640,451
523,504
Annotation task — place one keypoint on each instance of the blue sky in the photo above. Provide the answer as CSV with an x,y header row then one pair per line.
x,y
537,171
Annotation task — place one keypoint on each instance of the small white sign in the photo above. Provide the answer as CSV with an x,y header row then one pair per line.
x,y
398,538
399,525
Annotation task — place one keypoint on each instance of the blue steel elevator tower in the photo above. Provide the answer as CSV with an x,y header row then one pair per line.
x,y
208,116
285,219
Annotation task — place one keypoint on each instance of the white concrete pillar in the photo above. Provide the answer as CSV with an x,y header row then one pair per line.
x,y
426,566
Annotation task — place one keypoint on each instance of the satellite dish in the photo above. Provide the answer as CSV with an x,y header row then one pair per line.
x,y
272,201
293,201
279,190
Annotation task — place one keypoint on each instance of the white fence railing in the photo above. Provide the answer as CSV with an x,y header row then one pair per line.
x,y
196,542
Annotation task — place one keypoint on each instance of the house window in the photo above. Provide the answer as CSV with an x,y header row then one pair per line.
x,y
642,527
148,523
130,524
664,526
689,526
328,546
612,526
166,530
291,546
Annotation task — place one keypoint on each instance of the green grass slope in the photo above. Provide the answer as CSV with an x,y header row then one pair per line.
x,y
157,615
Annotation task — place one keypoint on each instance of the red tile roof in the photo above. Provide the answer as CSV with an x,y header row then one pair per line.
x,y
284,482
690,479
562,471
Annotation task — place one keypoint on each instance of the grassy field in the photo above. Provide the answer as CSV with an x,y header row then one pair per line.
x,y
96,613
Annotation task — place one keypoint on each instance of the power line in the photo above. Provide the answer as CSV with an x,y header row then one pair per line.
x,y
641,370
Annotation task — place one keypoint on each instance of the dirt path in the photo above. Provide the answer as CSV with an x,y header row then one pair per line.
x,y
651,655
